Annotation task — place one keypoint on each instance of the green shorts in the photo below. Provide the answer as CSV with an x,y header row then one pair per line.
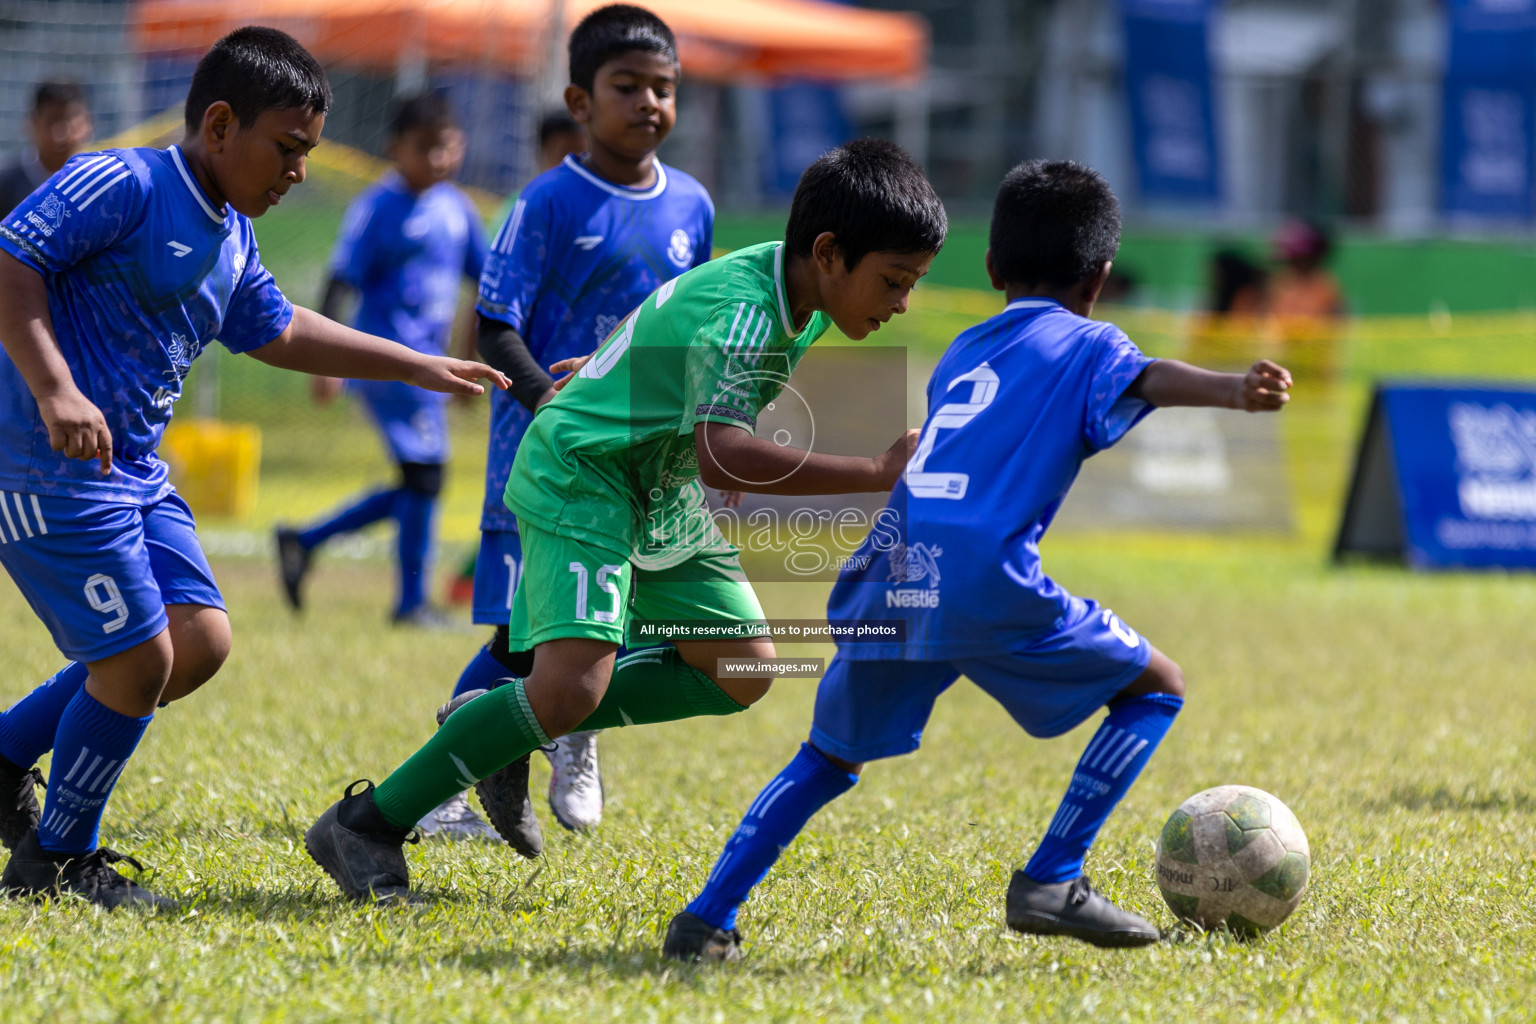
x,y
572,588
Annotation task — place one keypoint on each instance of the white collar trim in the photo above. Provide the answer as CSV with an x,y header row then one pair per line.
x,y
1032,304
192,186
619,190
778,290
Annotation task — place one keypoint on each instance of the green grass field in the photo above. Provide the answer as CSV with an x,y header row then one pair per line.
x,y
1392,712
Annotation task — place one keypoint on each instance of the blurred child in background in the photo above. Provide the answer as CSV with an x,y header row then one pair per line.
x,y
59,127
406,244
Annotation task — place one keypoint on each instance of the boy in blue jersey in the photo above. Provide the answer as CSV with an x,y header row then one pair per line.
x,y
1015,406
405,245
584,244
114,276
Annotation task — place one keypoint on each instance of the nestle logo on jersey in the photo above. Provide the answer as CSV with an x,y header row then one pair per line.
x,y
50,213
907,598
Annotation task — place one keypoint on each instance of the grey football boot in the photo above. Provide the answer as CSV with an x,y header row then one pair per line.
x,y
360,850
504,794
691,940
1074,909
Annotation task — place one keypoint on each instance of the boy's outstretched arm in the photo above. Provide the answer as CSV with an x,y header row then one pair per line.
x,y
732,459
312,343
75,426
1168,382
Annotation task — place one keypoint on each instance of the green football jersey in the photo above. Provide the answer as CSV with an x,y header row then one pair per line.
x,y
612,460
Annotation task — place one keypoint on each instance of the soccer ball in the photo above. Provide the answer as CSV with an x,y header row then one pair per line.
x,y
1233,857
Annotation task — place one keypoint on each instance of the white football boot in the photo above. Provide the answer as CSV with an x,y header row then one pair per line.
x,y
455,819
575,781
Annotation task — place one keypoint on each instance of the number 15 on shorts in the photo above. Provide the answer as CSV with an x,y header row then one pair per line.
x,y
606,579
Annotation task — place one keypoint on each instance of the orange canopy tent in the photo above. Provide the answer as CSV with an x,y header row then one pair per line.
x,y
717,39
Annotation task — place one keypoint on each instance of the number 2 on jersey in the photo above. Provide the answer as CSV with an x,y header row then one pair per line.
x,y
951,416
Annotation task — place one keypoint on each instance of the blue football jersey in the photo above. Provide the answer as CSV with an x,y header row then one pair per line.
x,y
1014,407
575,256
142,272
405,253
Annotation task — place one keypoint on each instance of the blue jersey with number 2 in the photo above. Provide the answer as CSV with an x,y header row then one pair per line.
x,y
1014,407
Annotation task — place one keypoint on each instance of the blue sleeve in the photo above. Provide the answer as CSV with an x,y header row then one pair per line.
x,y
516,264
475,249
86,206
1110,413
258,312
355,245
706,247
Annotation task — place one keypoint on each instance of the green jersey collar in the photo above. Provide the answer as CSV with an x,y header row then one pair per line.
x,y
781,294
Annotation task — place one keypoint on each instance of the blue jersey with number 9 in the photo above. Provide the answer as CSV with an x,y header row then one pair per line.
x,y
1015,406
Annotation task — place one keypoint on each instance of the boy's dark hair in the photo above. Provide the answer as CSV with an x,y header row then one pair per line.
x,y
58,91
1055,222
254,69
614,30
872,197
556,122
424,110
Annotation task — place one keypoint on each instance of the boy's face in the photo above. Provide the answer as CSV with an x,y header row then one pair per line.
x,y
861,299
632,105
428,155
59,131
255,167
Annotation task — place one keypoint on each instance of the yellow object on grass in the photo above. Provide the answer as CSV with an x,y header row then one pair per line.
x,y
215,465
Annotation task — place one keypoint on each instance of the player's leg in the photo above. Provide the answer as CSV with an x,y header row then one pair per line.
x,y
296,547
86,572
684,679
358,840
498,565
416,513
865,710
27,729
1095,660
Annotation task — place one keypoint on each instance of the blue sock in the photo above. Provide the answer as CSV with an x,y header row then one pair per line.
x,y
414,512
805,786
482,670
27,727
91,750
1112,761
365,511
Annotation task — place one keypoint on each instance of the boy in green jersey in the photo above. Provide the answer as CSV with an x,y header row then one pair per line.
x,y
608,486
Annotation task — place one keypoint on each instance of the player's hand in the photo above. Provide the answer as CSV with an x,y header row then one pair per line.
x,y
731,499
569,367
455,376
77,428
1265,387
325,389
890,463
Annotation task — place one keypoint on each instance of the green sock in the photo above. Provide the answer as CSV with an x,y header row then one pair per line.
x,y
483,736
657,685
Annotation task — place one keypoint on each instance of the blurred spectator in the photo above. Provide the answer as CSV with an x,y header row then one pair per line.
x,y
559,136
1230,332
1306,305
60,127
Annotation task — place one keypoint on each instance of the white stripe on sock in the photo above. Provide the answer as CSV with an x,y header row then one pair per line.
x,y
84,753
789,784
1128,759
1096,758
100,776
1121,748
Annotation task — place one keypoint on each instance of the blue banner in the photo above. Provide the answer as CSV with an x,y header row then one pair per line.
x,y
1464,460
1168,91
806,119
1488,164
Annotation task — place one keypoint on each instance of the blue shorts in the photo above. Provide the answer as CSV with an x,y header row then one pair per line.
x,y
99,575
866,710
498,568
413,422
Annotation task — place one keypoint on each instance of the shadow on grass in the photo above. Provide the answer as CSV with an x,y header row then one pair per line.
x,y
1440,798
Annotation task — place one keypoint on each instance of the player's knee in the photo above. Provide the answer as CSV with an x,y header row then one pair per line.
x,y
745,692
851,767
1168,677
425,478
517,663
132,681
